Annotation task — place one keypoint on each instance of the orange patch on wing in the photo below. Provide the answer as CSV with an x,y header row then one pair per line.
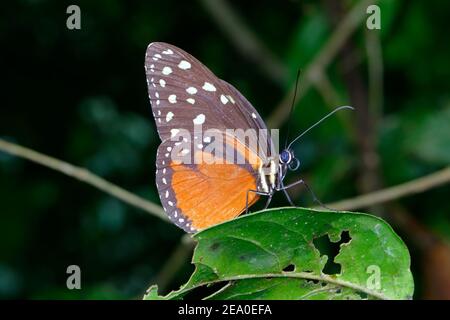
x,y
212,193
215,191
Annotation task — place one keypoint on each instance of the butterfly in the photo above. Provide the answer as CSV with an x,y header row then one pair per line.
x,y
198,186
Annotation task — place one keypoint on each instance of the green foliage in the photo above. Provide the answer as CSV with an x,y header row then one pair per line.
x,y
276,254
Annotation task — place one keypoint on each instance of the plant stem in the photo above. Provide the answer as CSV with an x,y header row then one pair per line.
x,y
422,184
85,176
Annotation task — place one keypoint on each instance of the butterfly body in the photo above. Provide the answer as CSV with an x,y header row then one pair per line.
x,y
271,174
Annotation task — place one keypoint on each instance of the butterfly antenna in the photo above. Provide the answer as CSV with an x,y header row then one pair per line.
x,y
292,109
318,122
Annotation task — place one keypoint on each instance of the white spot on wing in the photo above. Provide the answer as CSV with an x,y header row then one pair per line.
x,y
169,116
167,70
209,87
231,99
168,51
223,99
253,115
172,98
200,119
190,100
191,90
162,83
184,65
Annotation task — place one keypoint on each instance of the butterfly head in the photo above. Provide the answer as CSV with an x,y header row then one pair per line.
x,y
288,160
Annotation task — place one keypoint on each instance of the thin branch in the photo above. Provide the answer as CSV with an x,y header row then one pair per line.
x,y
312,72
327,91
83,175
422,184
371,172
352,75
249,45
245,40
375,73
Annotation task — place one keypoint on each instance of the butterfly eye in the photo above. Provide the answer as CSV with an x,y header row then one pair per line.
x,y
294,165
285,156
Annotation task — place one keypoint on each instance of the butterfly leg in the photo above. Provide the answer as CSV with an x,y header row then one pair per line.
x,y
261,193
269,199
288,197
301,181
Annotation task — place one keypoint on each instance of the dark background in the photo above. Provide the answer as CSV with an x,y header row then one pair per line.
x,y
81,96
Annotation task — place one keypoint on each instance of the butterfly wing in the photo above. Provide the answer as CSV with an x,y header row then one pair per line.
x,y
202,193
181,89
184,93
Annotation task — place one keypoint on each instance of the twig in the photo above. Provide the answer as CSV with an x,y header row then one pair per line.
x,y
405,189
245,40
83,175
312,72
375,74
369,174
327,91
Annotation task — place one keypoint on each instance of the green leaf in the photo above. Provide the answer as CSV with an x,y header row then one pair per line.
x,y
279,254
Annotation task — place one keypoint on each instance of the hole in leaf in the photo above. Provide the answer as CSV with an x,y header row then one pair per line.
x,y
312,281
363,295
289,268
331,250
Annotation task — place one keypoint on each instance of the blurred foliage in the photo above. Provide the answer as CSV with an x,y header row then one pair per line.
x,y
81,96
